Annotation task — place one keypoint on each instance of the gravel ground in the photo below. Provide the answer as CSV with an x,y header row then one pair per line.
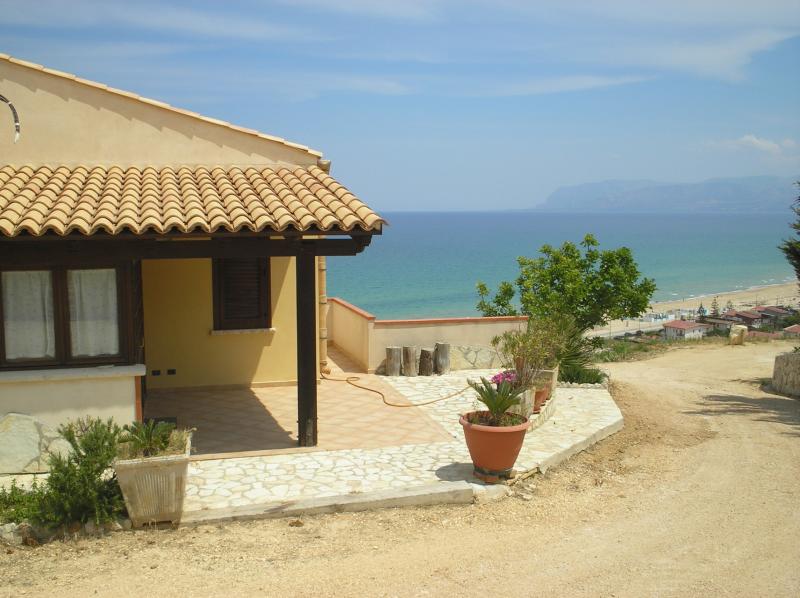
x,y
696,496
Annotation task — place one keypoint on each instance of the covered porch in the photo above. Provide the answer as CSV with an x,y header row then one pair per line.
x,y
240,422
202,277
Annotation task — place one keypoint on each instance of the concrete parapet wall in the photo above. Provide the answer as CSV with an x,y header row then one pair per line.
x,y
364,338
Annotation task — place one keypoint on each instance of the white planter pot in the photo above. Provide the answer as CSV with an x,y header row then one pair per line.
x,y
154,487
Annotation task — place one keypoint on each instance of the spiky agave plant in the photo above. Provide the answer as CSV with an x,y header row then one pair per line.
x,y
146,439
498,399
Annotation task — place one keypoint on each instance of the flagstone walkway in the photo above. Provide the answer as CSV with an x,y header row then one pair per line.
x,y
580,418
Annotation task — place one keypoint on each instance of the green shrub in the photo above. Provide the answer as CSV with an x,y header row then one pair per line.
x,y
82,486
581,375
18,504
622,349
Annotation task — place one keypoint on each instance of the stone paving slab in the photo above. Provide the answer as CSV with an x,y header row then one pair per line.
x,y
581,417
413,496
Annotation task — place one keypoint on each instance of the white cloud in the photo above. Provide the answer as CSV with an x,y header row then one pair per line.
x,y
150,16
759,144
393,9
548,85
723,57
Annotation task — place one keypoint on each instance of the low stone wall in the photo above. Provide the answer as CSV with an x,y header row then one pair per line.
x,y
473,357
786,374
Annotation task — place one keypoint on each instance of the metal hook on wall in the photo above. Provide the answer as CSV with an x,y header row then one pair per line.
x,y
15,115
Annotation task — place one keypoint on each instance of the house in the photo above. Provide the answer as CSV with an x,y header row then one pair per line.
x,y
147,247
718,323
793,330
684,330
772,313
751,319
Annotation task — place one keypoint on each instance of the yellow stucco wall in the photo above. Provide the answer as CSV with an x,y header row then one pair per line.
x,y
178,320
67,122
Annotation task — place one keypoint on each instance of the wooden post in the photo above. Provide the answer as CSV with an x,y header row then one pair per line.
x,y
441,358
394,360
409,361
426,362
322,287
305,270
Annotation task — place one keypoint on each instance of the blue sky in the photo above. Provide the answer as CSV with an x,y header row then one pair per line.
x,y
464,104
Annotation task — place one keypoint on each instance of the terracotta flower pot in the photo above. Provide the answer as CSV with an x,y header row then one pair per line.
x,y
493,449
539,398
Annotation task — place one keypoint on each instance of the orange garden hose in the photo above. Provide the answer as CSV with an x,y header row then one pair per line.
x,y
352,380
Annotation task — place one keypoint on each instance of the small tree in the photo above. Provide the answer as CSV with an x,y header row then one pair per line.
x,y
791,247
714,308
590,285
701,311
729,305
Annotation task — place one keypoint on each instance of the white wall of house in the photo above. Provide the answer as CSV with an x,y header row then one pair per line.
x,y
681,334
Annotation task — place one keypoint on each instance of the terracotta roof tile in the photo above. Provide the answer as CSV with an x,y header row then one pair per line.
x,y
113,199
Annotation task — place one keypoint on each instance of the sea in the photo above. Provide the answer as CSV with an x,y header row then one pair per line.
x,y
426,264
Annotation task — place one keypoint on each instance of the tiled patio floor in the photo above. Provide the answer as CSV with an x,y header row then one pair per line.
x,y
581,417
229,421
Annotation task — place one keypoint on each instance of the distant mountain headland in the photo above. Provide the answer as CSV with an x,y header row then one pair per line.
x,y
741,195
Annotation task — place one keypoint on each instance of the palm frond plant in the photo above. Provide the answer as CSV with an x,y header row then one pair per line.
x,y
498,399
146,439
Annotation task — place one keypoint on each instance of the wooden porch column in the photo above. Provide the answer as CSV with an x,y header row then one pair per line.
x,y
306,273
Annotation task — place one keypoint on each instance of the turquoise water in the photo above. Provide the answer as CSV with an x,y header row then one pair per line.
x,y
427,264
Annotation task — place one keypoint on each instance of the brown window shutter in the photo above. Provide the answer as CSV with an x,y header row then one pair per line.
x,y
241,293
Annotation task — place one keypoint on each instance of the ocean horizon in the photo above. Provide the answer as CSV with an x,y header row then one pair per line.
x,y
426,264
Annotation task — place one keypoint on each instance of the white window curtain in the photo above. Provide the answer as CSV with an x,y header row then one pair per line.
x,y
28,327
93,320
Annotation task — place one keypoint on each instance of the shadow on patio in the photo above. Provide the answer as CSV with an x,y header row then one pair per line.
x,y
260,419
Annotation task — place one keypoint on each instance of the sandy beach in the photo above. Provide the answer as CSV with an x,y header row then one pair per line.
x,y
780,294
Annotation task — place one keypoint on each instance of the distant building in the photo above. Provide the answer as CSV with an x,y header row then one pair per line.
x,y
772,313
719,323
751,319
684,330
793,330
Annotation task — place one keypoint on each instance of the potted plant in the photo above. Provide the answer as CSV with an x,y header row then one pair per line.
x,y
152,466
494,436
530,353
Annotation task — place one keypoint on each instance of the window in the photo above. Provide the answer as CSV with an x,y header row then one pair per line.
x,y
241,293
93,316
61,316
28,321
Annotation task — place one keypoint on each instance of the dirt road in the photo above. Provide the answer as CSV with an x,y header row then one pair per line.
x,y
697,496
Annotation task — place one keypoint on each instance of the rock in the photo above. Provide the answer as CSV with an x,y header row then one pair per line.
x,y
90,528
112,526
19,444
737,334
295,523
27,534
126,524
26,443
8,534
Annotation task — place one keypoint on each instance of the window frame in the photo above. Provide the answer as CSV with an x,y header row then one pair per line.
x,y
61,325
221,323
